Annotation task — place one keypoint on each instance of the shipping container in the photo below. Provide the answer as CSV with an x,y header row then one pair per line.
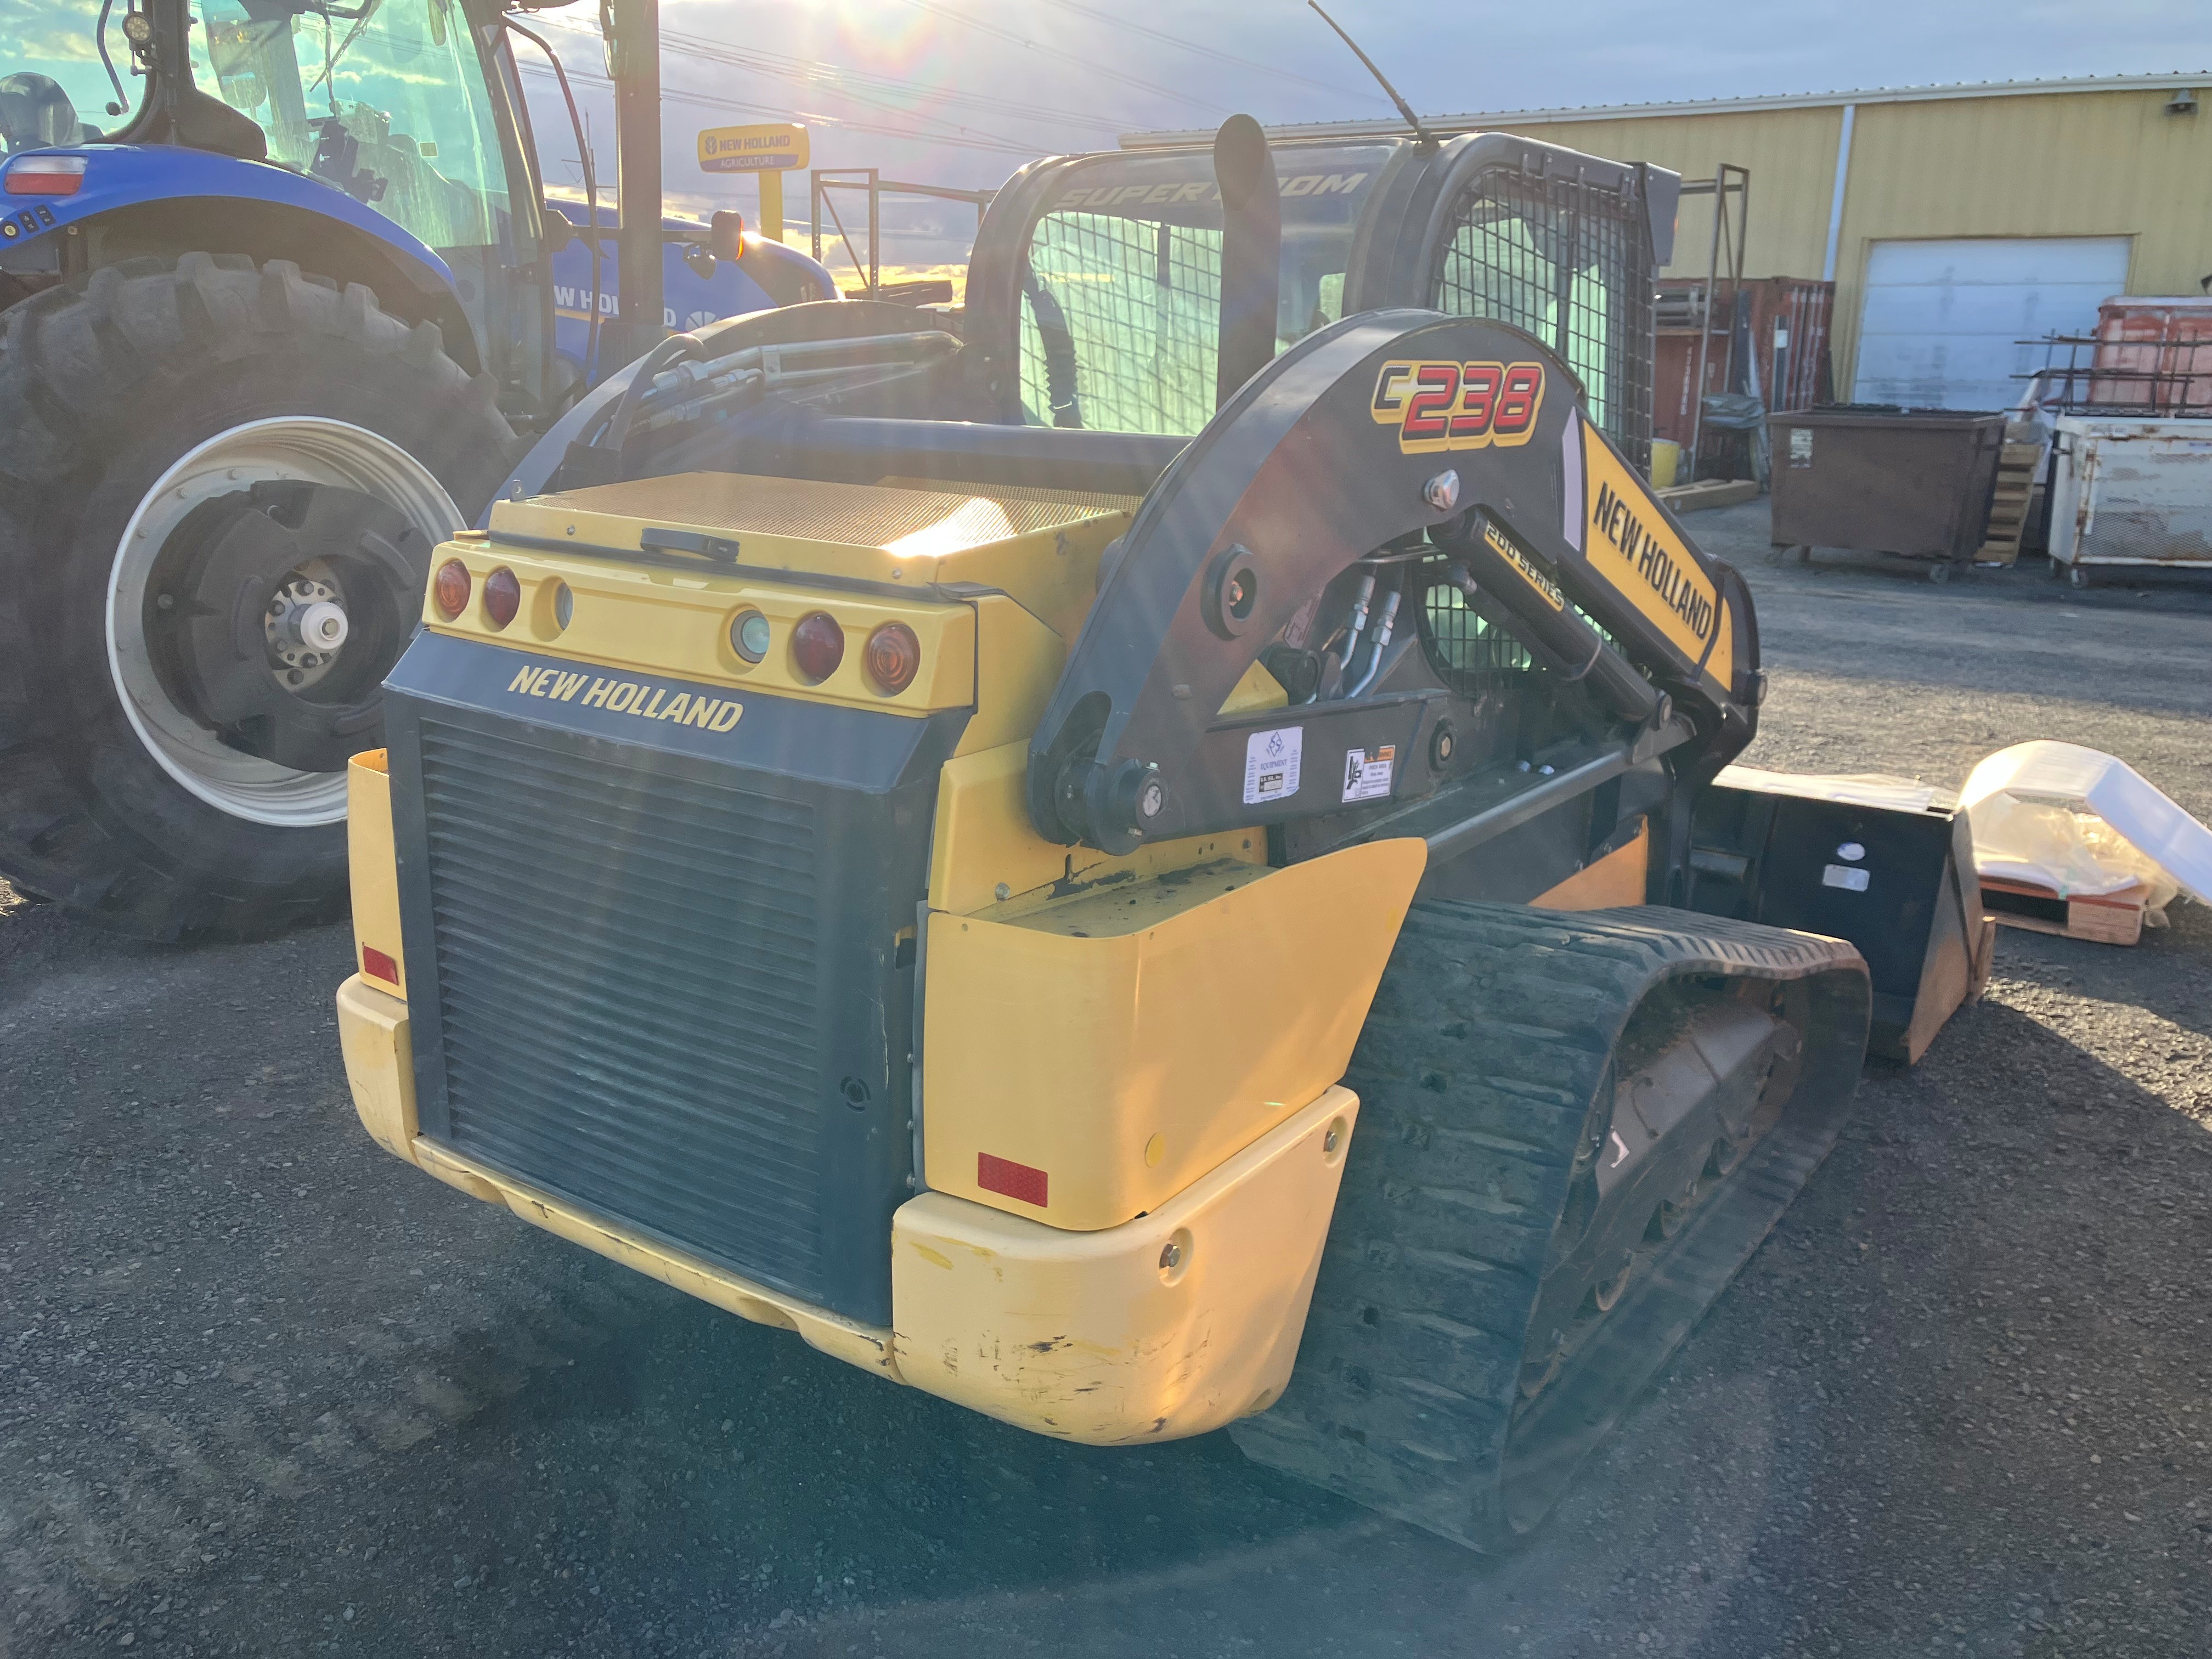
x,y
1777,326
2156,353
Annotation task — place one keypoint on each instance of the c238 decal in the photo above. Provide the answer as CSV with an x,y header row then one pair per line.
x,y
1448,405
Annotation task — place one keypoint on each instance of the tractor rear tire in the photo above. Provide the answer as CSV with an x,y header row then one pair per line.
x,y
106,389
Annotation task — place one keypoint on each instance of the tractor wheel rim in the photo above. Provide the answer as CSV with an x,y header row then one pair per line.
x,y
304,448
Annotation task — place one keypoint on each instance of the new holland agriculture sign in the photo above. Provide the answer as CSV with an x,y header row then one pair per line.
x,y
770,147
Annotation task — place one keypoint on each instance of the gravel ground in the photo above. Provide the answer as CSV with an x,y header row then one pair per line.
x,y
264,1390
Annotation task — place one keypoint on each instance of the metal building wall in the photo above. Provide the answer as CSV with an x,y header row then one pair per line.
x,y
2105,163
2011,159
2058,164
1791,154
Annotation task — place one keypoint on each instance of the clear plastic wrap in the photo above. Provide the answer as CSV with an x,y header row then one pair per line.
x,y
2080,822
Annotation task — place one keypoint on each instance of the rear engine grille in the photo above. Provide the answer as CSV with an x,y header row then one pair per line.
x,y
626,976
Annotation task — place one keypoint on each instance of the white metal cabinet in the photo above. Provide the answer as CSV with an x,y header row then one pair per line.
x,y
2130,491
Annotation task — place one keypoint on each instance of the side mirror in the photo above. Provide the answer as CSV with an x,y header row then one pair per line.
x,y
726,235
560,228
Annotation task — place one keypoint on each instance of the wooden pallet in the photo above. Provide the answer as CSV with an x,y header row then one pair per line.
x,y
2102,918
2008,506
1709,492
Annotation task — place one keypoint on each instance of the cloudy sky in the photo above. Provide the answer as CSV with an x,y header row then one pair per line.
x,y
962,91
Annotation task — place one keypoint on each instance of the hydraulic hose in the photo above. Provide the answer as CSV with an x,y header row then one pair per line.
x,y
673,349
1060,389
1390,617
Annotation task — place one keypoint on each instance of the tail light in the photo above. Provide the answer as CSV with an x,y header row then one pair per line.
x,y
893,657
451,589
503,596
749,634
817,645
46,175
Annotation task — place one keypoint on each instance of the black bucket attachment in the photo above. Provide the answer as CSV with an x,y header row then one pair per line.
x,y
1886,863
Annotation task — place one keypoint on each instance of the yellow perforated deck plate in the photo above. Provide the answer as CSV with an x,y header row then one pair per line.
x,y
886,533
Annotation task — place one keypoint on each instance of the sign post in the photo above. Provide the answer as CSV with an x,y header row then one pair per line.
x,y
770,148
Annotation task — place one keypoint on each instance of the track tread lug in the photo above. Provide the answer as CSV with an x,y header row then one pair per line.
x,y
1490,1034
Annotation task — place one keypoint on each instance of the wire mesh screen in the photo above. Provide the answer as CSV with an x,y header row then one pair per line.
x,y
1120,324
1469,653
1569,263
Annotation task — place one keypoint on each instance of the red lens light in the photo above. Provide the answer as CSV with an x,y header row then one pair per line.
x,y
47,175
503,596
817,645
894,657
451,589
377,965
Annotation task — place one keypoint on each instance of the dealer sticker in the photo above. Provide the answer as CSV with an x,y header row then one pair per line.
x,y
1367,777
1271,764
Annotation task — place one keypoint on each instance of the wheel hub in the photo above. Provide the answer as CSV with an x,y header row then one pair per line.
x,y
305,627
229,768
276,612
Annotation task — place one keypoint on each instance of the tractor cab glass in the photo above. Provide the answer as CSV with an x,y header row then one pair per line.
x,y
387,101
56,87
1121,292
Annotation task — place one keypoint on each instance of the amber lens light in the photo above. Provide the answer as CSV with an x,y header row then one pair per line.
x,y
503,596
894,657
817,645
451,589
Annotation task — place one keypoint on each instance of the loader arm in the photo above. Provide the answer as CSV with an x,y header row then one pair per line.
x,y
1394,438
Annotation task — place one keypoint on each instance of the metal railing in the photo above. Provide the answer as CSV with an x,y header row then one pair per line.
x,y
2168,380
1726,251
823,182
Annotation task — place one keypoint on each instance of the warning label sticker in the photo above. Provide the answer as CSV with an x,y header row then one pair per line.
x,y
1271,764
1367,777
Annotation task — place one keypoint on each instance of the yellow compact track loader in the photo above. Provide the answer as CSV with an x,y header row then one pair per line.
x,y
1129,856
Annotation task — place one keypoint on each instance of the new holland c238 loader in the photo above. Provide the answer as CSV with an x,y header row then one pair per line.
x,y
1122,856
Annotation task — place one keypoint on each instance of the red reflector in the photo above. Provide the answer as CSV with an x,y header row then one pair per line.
x,y
817,645
47,175
503,596
1003,1174
377,965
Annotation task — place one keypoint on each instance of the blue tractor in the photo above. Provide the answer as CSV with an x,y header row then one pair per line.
x,y
280,301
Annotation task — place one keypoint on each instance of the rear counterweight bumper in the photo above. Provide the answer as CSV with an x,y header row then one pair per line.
x,y
1170,1325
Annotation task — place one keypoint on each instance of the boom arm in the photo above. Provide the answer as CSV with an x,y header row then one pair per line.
x,y
1392,436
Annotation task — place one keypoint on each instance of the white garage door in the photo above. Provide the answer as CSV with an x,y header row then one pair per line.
x,y
1943,320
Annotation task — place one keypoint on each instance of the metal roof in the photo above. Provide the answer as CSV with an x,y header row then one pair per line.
x,y
1390,126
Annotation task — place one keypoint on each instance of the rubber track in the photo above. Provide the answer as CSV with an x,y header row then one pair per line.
x,y
1488,1038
